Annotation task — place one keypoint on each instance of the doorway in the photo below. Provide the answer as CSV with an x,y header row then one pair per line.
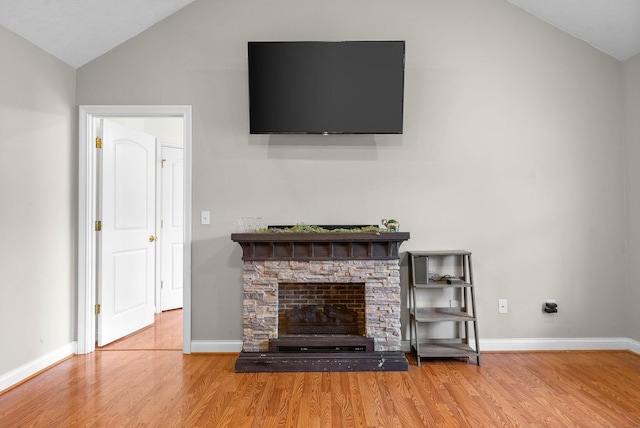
x,y
165,334
87,236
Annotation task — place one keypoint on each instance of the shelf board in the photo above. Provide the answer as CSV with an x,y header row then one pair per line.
x,y
441,314
441,284
439,253
441,348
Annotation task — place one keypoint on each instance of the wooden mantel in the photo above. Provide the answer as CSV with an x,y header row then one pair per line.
x,y
320,246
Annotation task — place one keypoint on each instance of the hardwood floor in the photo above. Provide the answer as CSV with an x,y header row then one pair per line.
x,y
164,334
164,388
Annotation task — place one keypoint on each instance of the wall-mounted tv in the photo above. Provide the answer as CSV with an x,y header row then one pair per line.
x,y
350,87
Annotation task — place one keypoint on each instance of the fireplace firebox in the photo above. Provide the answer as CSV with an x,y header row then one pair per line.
x,y
321,309
321,302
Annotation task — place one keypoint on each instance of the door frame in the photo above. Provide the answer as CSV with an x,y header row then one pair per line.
x,y
86,326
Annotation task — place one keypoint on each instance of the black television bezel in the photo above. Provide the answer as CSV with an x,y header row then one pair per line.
x,y
403,42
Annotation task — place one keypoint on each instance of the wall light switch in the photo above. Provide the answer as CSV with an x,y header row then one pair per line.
x,y
205,217
502,306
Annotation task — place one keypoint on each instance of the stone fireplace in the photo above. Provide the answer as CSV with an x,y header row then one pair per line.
x,y
321,301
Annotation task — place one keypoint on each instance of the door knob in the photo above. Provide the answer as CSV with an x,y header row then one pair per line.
x,y
152,238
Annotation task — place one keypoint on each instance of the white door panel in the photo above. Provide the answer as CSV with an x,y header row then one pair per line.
x,y
126,252
172,230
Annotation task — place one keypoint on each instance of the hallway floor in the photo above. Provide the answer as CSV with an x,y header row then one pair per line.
x,y
164,335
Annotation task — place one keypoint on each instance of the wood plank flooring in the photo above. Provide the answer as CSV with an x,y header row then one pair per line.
x,y
164,388
164,334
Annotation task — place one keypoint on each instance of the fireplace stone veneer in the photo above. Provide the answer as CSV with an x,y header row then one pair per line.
x,y
369,259
381,279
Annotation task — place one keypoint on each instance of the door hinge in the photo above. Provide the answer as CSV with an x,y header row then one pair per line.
x,y
163,161
161,223
98,143
161,284
98,226
98,309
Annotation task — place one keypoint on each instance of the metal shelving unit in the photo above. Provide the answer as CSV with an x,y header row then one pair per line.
x,y
456,278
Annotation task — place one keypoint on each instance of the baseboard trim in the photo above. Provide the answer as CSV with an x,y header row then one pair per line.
x,y
560,344
214,346
634,346
554,344
14,377
488,345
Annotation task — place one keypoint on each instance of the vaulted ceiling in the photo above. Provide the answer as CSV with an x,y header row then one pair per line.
x,y
77,31
612,26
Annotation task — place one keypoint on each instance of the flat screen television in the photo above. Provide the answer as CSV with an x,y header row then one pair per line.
x,y
350,87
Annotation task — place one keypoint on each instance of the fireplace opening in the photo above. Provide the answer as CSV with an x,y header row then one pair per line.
x,y
328,319
321,309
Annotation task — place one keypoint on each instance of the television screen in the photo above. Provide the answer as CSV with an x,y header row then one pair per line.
x,y
353,87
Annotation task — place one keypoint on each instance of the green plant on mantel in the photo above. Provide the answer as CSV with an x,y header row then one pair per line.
x,y
305,228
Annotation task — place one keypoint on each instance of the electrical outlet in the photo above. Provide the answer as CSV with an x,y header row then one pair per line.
x,y
502,306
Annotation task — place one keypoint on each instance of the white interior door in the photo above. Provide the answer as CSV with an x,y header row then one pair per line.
x,y
172,221
126,243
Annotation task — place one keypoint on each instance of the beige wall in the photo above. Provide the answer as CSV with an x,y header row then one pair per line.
x,y
38,187
631,75
512,149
